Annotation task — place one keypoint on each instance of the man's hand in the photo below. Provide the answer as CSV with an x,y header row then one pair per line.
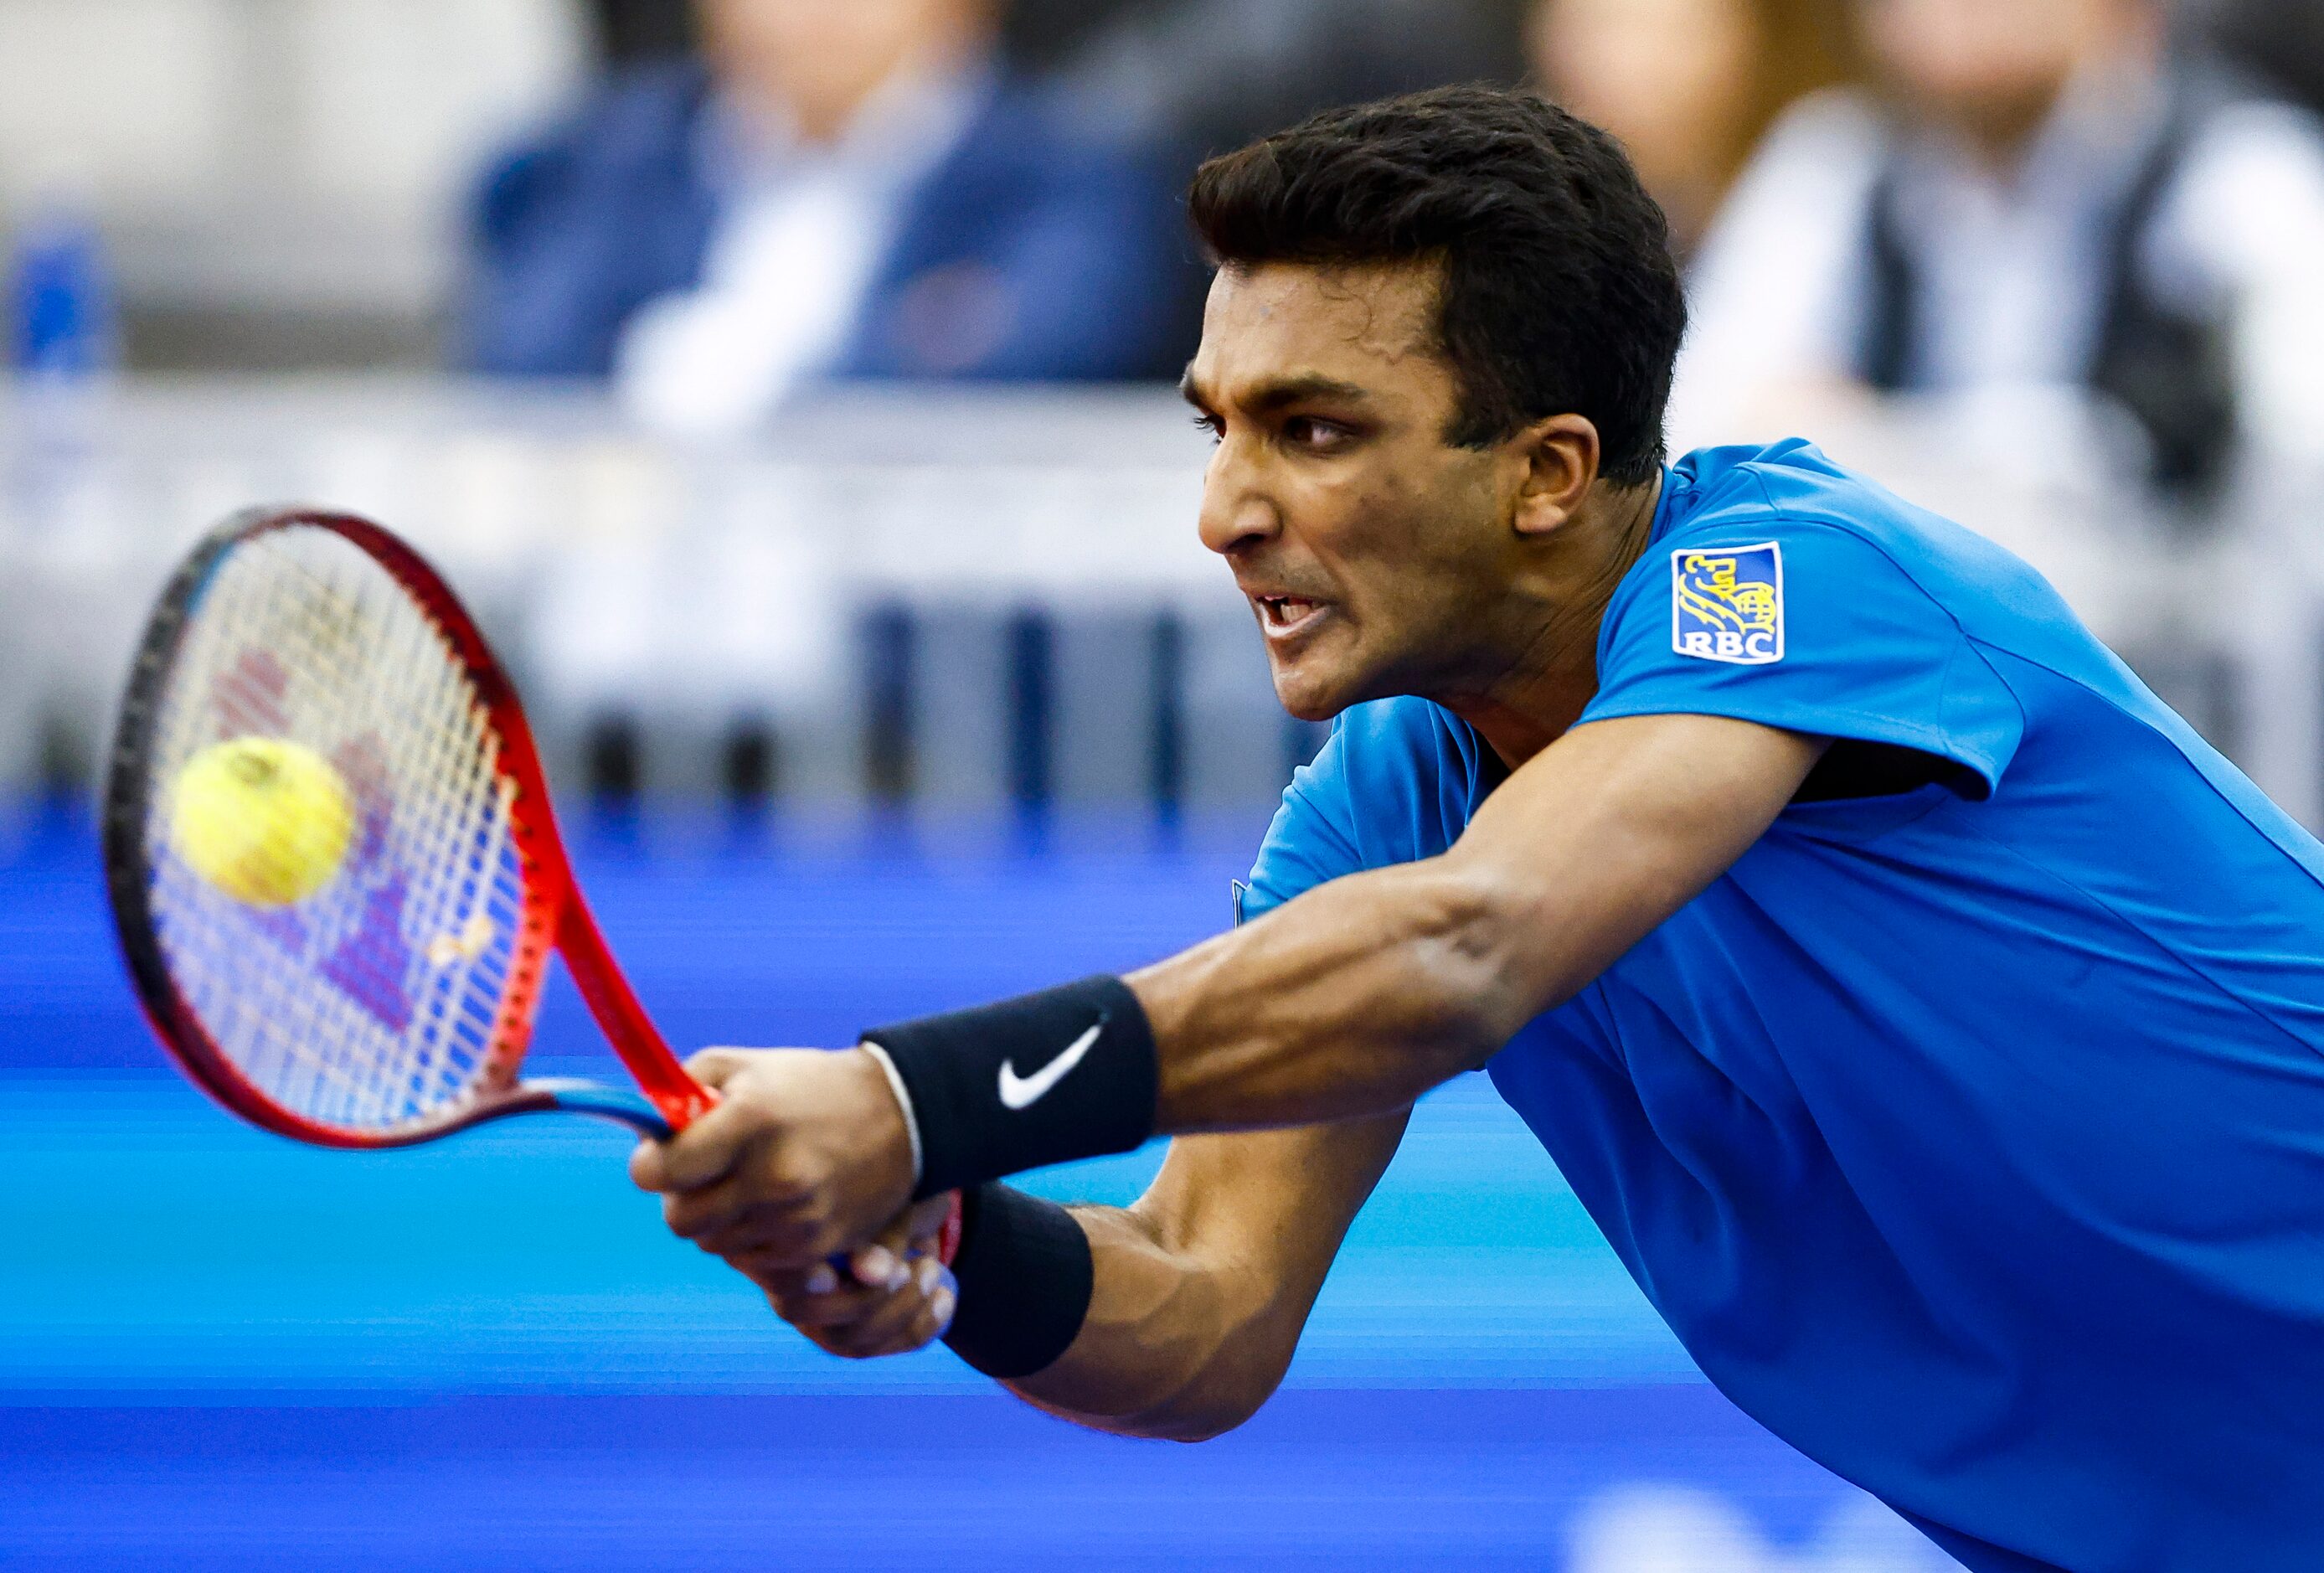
x,y
893,1298
806,1155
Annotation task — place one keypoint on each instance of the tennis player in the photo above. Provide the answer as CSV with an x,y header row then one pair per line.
x,y
1929,1018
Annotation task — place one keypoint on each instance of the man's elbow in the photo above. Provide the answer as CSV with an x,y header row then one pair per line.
x,y
1210,1407
1205,1398
1468,978
1205,1429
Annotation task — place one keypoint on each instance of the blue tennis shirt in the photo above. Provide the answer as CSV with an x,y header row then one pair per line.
x,y
1971,1138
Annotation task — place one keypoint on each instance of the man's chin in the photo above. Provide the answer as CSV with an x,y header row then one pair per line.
x,y
1314,697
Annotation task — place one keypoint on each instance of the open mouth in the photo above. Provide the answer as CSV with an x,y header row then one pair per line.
x,y
1283,614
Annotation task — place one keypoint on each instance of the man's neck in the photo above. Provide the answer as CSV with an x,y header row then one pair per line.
x,y
1554,673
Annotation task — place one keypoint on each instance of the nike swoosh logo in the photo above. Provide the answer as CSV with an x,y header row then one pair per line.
x,y
1019,1092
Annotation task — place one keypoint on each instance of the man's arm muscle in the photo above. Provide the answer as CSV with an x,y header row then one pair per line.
x,y
1349,1002
1201,1289
1364,993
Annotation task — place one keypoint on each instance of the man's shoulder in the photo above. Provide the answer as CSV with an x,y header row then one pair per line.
x,y
1792,494
1792,481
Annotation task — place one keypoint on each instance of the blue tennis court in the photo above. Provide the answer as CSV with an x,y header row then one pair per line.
x,y
218,1349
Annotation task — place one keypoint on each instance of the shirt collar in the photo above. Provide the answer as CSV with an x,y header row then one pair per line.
x,y
1678,484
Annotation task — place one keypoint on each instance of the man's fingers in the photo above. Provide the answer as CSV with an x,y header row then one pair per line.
x,y
785,1284
884,1263
705,1151
840,1308
711,1067
686,1161
728,1221
925,1220
779,1171
645,1165
732,1218
903,1321
943,1302
858,1323
912,1235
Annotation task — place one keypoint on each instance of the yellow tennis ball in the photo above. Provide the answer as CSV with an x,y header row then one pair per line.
x,y
263,819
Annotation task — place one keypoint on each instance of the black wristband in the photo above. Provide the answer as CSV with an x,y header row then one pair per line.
x,y
1046,1078
1024,1272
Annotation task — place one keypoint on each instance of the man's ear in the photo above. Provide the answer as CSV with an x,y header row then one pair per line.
x,y
1560,455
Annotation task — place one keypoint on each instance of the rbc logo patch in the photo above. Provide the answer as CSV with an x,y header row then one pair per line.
x,y
1726,603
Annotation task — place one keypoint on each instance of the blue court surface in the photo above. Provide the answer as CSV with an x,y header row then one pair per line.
x,y
221,1350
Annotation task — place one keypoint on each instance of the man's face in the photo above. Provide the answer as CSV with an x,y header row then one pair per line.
x,y
823,58
1674,80
1371,549
1997,61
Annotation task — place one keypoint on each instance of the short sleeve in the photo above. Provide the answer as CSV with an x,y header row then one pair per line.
x,y
1396,781
1307,842
1805,625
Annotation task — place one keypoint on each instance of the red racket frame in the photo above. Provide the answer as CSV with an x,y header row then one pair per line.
x,y
555,916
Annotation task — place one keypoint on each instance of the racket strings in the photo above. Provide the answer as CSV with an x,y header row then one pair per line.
x,y
231,681
458,761
375,1001
291,1042
373,968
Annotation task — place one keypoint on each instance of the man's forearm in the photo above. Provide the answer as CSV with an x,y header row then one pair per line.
x,y
1198,1292
1356,1000
1147,1361
1366,992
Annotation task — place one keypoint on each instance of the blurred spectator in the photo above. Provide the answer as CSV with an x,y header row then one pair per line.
x,y
1199,77
1688,86
854,189
629,30
1209,74
1046,33
2033,196
2280,42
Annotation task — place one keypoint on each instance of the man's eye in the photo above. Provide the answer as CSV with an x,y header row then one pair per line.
x,y
1306,431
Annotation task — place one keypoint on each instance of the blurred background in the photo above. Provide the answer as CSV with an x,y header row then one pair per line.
x,y
786,383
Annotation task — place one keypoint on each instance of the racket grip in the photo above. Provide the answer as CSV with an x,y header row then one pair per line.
x,y
617,1103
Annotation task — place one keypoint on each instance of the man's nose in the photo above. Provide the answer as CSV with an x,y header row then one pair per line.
x,y
1236,515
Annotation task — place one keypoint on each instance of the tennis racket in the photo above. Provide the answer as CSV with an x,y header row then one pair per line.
x,y
384,991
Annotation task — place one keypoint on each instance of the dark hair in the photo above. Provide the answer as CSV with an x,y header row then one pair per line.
x,y
1559,291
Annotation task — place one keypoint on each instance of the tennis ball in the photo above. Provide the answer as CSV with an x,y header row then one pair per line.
x,y
263,819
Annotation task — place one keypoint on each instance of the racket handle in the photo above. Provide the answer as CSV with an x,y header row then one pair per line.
x,y
617,1103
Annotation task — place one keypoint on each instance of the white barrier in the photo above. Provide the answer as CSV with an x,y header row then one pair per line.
x,y
691,595
967,597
